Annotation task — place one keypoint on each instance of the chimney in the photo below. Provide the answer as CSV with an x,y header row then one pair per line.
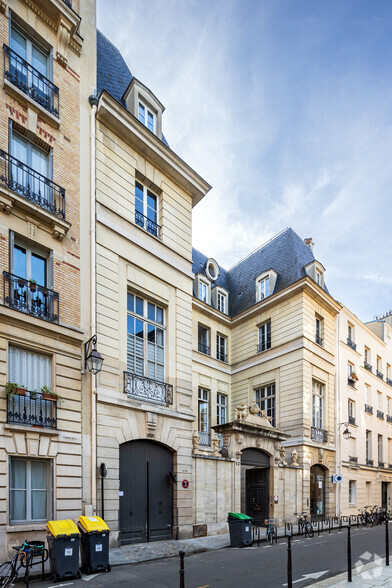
x,y
309,242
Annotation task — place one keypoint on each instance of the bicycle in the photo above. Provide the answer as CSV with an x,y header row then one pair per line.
x,y
366,517
271,531
23,557
304,527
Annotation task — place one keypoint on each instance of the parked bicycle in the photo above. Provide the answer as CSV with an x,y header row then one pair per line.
x,y
366,516
304,527
23,558
271,531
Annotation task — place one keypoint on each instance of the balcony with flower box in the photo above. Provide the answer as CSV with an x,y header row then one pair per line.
x,y
29,297
30,408
367,366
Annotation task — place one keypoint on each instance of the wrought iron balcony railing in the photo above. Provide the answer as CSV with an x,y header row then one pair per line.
x,y
352,344
30,184
146,223
369,462
32,409
30,81
221,356
367,366
389,418
264,346
351,420
353,459
368,409
204,438
380,414
147,389
381,464
204,348
68,3
390,466
319,435
379,374
31,298
319,340
389,381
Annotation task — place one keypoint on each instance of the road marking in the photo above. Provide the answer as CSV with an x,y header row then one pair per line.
x,y
91,577
313,576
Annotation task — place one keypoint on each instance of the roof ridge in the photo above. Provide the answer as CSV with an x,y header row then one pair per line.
x,y
260,247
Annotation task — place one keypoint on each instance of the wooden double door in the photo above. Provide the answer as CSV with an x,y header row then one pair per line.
x,y
257,490
146,492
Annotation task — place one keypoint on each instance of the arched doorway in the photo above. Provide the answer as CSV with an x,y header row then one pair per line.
x,y
255,470
317,491
146,492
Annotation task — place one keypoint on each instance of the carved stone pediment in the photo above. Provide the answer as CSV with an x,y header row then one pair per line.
x,y
251,413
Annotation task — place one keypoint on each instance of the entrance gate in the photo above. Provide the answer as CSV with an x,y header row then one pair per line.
x,y
146,492
257,484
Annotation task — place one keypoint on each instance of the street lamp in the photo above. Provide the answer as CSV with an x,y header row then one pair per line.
x,y
93,360
346,432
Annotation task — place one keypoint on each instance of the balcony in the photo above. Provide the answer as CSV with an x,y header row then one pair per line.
x,y
351,420
203,348
32,410
379,375
380,414
353,460
30,81
319,435
147,224
204,438
319,340
369,462
221,356
143,388
264,346
27,296
352,344
389,418
367,366
389,381
351,380
31,185
381,464
368,409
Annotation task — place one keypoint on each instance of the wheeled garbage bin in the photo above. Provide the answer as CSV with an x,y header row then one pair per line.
x,y
63,546
240,526
94,544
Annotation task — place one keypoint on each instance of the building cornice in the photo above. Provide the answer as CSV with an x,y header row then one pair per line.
x,y
125,125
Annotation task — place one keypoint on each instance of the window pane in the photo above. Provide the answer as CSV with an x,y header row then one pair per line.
x,y
139,329
142,113
139,306
159,337
38,505
18,474
131,302
131,325
159,318
150,121
38,475
19,149
151,334
18,505
39,61
18,44
38,269
20,261
151,311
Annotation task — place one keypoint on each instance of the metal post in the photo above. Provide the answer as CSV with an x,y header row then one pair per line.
x,y
289,563
102,497
349,571
182,569
386,541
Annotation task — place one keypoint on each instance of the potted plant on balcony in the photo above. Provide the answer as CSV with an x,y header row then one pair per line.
x,y
48,394
13,389
21,282
33,285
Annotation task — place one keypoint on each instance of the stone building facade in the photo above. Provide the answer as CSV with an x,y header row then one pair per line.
x,y
44,59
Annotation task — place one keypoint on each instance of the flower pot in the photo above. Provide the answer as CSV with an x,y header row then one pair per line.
x,y
33,287
50,397
20,392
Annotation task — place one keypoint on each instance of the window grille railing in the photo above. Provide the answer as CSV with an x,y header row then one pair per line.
x,y
351,420
389,418
380,414
147,224
381,464
319,340
30,81
379,374
204,348
30,184
368,409
351,344
369,462
32,410
353,459
144,388
221,356
68,3
31,298
319,435
204,438
367,366
389,381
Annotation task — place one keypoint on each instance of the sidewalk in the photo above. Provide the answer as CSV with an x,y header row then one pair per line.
x,y
368,576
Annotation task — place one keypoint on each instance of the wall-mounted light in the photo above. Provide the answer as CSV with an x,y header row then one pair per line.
x,y
93,360
346,433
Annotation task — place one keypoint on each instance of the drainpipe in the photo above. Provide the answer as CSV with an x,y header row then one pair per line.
x,y
337,416
94,103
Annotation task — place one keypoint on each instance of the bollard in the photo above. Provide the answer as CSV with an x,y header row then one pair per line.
x,y
349,571
386,541
289,564
182,569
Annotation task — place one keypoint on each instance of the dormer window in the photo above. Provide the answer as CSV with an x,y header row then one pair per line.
x,y
220,299
318,278
265,284
146,117
203,292
315,270
221,302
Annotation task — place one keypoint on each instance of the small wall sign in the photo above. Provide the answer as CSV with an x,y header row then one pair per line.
x,y
185,484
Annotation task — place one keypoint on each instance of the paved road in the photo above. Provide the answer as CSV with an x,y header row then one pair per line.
x,y
251,567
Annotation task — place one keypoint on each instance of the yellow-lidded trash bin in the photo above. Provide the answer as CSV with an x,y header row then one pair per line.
x,y
94,544
63,546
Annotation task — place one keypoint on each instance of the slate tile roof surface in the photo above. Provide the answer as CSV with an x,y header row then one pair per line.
x,y
113,74
286,253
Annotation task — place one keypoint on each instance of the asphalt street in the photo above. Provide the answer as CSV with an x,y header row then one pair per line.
x,y
252,567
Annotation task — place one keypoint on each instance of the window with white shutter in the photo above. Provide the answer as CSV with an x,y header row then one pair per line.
x,y
29,368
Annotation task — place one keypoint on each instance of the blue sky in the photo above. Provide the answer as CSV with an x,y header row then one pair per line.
x,y
285,107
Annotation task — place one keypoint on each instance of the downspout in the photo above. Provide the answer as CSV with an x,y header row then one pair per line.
x,y
93,102
337,417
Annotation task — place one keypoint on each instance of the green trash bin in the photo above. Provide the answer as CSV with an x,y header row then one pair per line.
x,y
240,527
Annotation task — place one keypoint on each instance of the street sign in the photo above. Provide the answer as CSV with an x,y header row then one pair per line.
x,y
337,479
185,484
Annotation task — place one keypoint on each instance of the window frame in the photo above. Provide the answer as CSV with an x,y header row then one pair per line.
x,y
262,401
221,408
221,344
318,404
203,419
221,297
146,192
203,287
264,337
30,43
263,287
28,490
204,333
352,492
147,111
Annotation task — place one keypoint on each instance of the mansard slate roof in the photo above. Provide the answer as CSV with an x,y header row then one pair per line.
x,y
286,253
113,74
